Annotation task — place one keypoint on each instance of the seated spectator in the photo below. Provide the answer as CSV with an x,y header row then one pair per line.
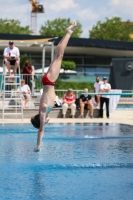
x,y
27,73
11,57
25,92
69,103
85,103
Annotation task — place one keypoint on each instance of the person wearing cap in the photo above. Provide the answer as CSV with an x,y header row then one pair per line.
x,y
11,56
85,103
104,88
69,102
25,92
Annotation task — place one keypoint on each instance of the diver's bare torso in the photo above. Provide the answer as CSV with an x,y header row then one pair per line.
x,y
48,97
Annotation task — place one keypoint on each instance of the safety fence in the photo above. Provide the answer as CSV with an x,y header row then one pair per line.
x,y
119,99
124,97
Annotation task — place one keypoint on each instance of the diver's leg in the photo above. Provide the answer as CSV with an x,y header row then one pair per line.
x,y
54,68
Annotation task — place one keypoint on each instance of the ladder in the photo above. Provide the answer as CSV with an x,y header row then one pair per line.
x,y
12,100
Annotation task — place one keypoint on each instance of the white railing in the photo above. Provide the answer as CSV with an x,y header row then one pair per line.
x,y
126,99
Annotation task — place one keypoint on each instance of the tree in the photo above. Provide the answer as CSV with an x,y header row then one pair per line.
x,y
112,29
12,26
68,65
56,28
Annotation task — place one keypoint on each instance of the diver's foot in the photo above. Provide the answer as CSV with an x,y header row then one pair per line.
x,y
36,149
71,28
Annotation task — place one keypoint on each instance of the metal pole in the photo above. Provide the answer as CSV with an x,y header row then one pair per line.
x,y
43,60
52,51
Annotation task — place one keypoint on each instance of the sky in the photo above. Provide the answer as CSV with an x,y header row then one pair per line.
x,y
87,12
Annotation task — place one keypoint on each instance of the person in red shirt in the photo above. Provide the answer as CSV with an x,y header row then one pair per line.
x,y
27,73
69,102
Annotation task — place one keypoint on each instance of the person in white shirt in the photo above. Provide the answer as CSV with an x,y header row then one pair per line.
x,y
104,88
25,92
97,90
11,56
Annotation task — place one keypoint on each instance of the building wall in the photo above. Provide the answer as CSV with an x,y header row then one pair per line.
x,y
121,76
87,67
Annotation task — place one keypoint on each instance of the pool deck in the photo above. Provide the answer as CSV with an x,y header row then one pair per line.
x,y
119,116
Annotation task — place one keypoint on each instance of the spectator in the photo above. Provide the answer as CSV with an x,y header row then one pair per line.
x,y
27,73
11,56
25,92
85,103
104,88
69,102
97,90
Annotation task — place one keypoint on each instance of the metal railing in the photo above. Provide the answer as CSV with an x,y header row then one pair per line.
x,y
35,83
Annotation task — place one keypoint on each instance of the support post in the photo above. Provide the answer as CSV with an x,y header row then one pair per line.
x,y
52,51
43,59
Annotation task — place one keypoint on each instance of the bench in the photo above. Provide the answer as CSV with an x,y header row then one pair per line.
x,y
57,112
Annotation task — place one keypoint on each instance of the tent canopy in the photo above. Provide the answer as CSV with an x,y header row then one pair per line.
x,y
17,37
34,41
1,70
23,40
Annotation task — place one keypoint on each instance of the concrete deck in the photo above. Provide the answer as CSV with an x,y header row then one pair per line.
x,y
119,116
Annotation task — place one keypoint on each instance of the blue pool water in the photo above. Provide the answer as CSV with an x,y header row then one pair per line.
x,y
124,106
92,161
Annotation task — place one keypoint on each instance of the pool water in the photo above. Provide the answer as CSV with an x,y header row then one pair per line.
x,y
124,106
88,161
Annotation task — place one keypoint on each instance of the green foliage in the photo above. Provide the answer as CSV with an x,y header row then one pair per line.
x,y
12,26
74,85
57,28
23,58
112,29
62,85
38,83
68,65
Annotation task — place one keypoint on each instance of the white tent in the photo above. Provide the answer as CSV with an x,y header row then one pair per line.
x,y
1,70
39,71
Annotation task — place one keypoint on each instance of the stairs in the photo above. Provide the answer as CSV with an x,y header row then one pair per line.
x,y
12,100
